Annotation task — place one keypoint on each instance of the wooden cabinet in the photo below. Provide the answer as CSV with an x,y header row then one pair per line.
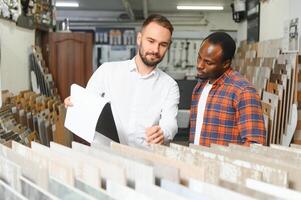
x,y
69,58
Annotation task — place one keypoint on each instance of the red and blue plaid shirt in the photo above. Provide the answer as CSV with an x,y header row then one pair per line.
x,y
233,112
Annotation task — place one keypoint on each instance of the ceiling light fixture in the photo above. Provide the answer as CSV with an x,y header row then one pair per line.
x,y
200,7
66,4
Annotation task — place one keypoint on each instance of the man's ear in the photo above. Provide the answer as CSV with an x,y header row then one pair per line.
x,y
169,44
138,40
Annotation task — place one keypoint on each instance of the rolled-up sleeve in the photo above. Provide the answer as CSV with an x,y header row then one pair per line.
x,y
250,118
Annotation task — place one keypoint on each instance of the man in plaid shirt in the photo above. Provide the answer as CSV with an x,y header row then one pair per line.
x,y
225,107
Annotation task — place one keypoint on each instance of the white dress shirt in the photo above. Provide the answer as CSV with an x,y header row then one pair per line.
x,y
137,101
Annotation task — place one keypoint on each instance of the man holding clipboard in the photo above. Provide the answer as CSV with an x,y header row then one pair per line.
x,y
144,100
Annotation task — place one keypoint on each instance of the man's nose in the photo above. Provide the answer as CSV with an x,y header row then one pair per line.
x,y
200,64
156,48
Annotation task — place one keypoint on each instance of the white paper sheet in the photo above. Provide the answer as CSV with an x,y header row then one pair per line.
x,y
81,118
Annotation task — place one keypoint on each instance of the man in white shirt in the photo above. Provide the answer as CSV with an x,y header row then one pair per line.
x,y
144,99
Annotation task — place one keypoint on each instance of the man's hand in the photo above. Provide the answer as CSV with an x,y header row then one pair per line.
x,y
67,102
154,135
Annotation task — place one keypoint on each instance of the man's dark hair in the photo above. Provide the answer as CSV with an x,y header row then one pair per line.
x,y
225,41
159,19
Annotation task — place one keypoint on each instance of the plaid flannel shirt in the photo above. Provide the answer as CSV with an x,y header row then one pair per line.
x,y
233,112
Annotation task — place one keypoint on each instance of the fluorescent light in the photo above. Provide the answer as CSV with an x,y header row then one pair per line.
x,y
200,7
66,4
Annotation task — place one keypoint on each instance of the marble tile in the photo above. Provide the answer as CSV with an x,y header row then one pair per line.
x,y
121,192
136,170
214,192
7,192
59,167
156,192
31,169
106,170
82,167
10,173
97,193
278,192
186,170
181,190
160,171
33,191
66,192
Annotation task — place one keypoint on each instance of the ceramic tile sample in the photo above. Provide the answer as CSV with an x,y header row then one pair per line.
x,y
59,167
135,169
185,169
181,190
160,171
106,170
33,191
64,191
31,169
279,192
215,192
10,173
97,193
7,192
29,154
82,167
121,192
156,192
271,173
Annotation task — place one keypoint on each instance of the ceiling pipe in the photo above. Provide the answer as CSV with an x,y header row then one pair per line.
x,y
128,9
145,8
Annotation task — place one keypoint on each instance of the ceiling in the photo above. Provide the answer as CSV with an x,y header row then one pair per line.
x,y
111,11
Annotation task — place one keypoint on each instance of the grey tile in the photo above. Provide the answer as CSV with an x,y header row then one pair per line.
x,y
92,191
33,192
66,192
8,193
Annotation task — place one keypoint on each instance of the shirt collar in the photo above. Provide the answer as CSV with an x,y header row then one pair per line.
x,y
133,68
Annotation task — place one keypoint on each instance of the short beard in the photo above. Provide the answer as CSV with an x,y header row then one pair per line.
x,y
149,63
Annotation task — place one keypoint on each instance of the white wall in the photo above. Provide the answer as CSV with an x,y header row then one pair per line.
x,y
273,14
241,31
15,49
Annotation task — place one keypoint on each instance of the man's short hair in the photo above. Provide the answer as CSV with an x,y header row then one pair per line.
x,y
225,41
159,19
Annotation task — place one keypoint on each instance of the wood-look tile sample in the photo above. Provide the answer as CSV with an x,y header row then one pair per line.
x,y
121,192
65,191
7,192
33,191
